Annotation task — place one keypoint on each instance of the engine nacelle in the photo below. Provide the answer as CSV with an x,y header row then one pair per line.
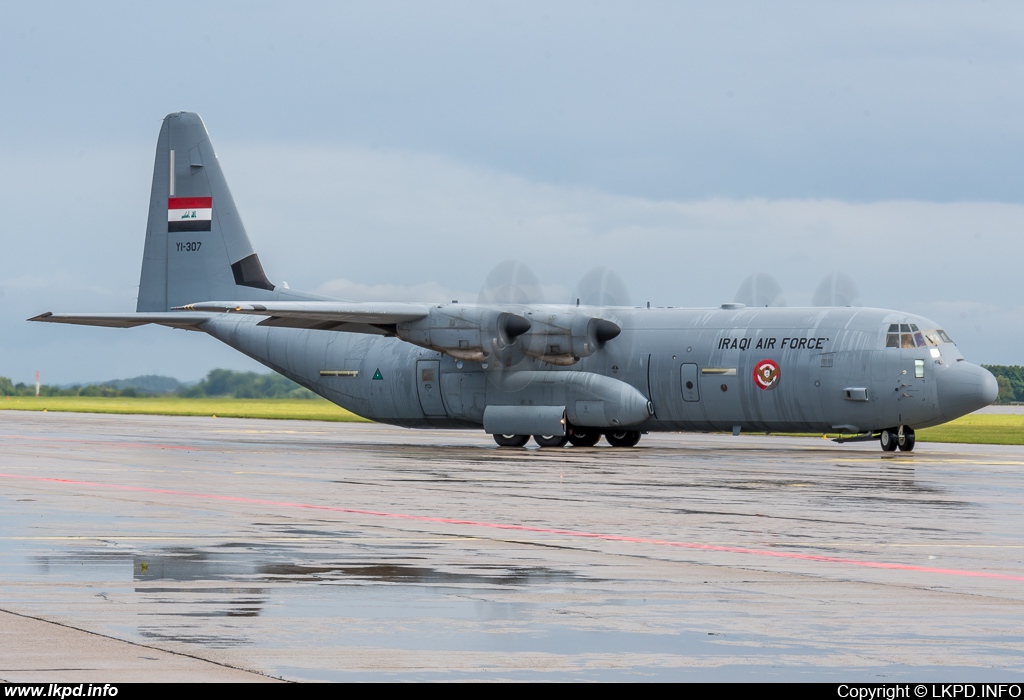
x,y
479,333
563,338
465,332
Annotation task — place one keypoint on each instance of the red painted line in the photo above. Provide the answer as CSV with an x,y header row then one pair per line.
x,y
107,443
530,528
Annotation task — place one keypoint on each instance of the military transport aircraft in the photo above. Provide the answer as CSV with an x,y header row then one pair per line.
x,y
562,374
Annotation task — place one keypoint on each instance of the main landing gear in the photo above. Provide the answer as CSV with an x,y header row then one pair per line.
x,y
623,438
511,440
551,440
577,437
584,437
901,437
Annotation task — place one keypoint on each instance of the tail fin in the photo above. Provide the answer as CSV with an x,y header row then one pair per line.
x,y
196,245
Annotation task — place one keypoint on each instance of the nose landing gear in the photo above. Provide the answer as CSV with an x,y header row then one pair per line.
x,y
892,438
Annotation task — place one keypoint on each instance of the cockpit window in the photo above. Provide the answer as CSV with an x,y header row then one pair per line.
x,y
907,335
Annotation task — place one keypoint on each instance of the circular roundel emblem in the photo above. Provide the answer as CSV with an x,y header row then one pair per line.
x,y
766,374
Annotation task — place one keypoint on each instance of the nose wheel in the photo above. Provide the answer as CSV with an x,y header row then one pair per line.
x,y
901,438
905,439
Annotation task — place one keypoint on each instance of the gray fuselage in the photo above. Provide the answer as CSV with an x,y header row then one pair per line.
x,y
694,369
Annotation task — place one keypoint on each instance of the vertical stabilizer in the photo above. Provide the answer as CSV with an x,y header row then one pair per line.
x,y
196,245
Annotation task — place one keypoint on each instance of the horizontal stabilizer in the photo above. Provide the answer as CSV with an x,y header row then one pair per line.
x,y
129,320
351,317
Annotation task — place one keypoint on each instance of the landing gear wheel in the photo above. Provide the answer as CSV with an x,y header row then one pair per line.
x,y
623,438
887,439
905,439
584,437
551,440
511,440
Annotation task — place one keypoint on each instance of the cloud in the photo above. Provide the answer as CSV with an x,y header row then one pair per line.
x,y
354,291
414,218
372,224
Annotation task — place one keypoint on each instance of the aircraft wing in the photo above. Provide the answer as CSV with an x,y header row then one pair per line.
x,y
127,320
352,317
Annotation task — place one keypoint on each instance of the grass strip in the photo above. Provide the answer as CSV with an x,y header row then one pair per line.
x,y
284,409
978,429
975,429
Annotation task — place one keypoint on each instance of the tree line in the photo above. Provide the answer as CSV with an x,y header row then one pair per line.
x,y
1011,382
218,383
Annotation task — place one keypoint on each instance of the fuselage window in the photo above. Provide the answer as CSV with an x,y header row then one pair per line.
x,y
919,369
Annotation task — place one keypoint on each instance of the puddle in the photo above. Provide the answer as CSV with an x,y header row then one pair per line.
x,y
404,573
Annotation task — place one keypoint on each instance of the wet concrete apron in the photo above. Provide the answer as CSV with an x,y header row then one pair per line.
x,y
314,551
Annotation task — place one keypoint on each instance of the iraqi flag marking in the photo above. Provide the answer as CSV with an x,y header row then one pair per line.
x,y
189,214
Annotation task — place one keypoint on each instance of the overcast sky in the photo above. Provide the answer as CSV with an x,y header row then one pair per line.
x,y
402,150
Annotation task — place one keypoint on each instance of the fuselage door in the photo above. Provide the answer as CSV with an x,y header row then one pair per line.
x,y
428,384
688,382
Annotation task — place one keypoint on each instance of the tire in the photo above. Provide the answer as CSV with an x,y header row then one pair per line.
x,y
906,441
551,440
584,437
511,440
887,440
623,438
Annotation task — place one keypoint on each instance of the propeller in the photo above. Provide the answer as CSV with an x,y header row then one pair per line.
x,y
760,289
836,289
556,335
510,282
602,287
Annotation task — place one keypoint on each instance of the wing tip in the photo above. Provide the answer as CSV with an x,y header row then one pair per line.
x,y
41,317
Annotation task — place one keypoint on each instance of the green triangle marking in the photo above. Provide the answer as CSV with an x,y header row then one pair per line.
x,y
377,374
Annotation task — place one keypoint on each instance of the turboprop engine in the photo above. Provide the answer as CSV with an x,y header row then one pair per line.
x,y
563,338
477,333
465,332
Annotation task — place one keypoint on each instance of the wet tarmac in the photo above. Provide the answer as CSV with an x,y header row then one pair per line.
x,y
203,548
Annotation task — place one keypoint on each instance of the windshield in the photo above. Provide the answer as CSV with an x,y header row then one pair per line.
x,y
908,335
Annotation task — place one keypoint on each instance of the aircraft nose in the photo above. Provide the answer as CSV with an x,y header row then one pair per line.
x,y
963,388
